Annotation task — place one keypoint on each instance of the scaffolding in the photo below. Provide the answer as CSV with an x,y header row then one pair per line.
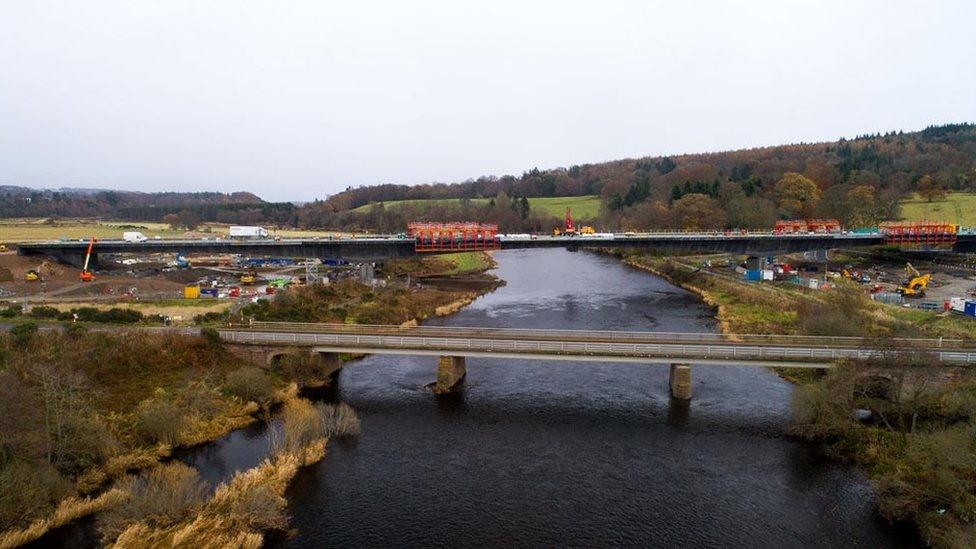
x,y
453,237
801,226
920,234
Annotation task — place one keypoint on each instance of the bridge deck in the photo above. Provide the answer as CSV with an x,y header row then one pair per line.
x,y
697,352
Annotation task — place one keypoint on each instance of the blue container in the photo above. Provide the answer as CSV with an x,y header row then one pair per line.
x,y
208,292
753,276
970,308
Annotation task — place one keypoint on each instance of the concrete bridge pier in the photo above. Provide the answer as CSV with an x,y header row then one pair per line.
x,y
680,381
450,372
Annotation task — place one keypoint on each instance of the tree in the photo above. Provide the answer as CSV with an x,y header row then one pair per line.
x,y
863,210
173,220
929,189
697,211
797,195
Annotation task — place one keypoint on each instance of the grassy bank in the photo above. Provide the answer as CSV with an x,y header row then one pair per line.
x,y
956,207
916,438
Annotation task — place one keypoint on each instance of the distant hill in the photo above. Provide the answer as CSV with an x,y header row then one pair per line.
x,y
238,207
860,181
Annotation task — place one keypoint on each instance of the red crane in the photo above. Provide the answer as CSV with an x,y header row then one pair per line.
x,y
569,221
86,275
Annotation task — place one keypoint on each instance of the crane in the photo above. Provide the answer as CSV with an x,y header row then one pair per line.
x,y
86,275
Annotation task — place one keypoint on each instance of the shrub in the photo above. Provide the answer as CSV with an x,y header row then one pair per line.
x,y
28,491
74,330
211,317
211,335
339,420
10,311
22,333
301,426
199,398
161,497
250,383
44,311
158,420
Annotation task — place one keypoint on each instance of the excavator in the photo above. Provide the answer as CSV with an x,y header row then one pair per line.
x,y
916,282
86,275
249,277
569,229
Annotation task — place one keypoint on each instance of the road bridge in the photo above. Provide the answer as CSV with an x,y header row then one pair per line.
x,y
266,341
383,248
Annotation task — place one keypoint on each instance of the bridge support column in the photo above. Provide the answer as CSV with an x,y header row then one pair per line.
x,y
330,362
450,371
680,381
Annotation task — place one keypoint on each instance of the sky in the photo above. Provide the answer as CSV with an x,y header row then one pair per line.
x,y
296,100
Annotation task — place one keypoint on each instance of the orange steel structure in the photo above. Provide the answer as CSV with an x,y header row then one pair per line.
x,y
793,226
920,233
453,237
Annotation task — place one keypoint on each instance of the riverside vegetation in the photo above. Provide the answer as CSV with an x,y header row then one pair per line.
x,y
80,410
910,425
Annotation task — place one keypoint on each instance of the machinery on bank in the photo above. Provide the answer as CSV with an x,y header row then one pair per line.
x,y
915,283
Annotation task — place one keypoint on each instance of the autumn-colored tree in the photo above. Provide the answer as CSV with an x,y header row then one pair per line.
x,y
930,189
698,211
797,195
172,220
863,211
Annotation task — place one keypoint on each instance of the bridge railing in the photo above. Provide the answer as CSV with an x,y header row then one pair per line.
x,y
542,348
608,336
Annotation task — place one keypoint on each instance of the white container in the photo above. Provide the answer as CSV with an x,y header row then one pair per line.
x,y
134,236
767,274
237,231
957,304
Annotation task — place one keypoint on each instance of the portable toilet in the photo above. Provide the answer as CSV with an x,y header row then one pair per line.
x,y
970,308
191,292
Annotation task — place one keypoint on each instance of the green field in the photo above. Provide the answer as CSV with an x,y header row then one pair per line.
x,y
584,207
956,208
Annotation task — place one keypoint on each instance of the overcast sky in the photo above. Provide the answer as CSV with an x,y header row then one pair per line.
x,y
295,100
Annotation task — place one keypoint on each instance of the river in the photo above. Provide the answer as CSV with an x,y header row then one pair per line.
x,y
538,453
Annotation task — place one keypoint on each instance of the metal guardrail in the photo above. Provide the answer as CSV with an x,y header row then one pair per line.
x,y
669,351
606,335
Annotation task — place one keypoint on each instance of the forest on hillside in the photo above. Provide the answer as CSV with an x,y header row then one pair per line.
x,y
859,181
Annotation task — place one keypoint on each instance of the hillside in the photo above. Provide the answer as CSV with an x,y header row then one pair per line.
x,y
860,181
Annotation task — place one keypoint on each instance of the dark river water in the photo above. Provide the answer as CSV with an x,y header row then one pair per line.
x,y
536,453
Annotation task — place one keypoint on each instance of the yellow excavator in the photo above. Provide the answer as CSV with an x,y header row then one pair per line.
x,y
915,284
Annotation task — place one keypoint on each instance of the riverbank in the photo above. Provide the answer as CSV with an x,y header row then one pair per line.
x,y
917,442
160,393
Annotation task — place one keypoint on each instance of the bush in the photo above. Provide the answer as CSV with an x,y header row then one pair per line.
x,y
301,426
74,330
44,311
339,420
211,317
10,311
211,335
158,420
28,491
199,398
161,497
114,315
250,383
22,333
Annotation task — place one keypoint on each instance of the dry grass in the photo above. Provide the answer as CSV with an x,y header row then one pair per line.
x,y
68,510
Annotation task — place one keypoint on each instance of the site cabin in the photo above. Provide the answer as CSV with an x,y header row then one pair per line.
x,y
248,232
134,236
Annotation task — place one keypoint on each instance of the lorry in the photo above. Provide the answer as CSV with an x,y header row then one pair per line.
x,y
245,232
134,236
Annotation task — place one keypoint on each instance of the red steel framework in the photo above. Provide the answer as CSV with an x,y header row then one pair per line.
x,y
453,237
795,226
920,233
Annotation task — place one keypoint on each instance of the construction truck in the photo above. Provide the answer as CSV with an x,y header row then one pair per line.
x,y
249,276
915,283
32,276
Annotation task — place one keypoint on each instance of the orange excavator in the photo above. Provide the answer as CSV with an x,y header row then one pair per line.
x,y
86,275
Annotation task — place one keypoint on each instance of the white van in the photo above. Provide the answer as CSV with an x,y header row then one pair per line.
x,y
134,236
